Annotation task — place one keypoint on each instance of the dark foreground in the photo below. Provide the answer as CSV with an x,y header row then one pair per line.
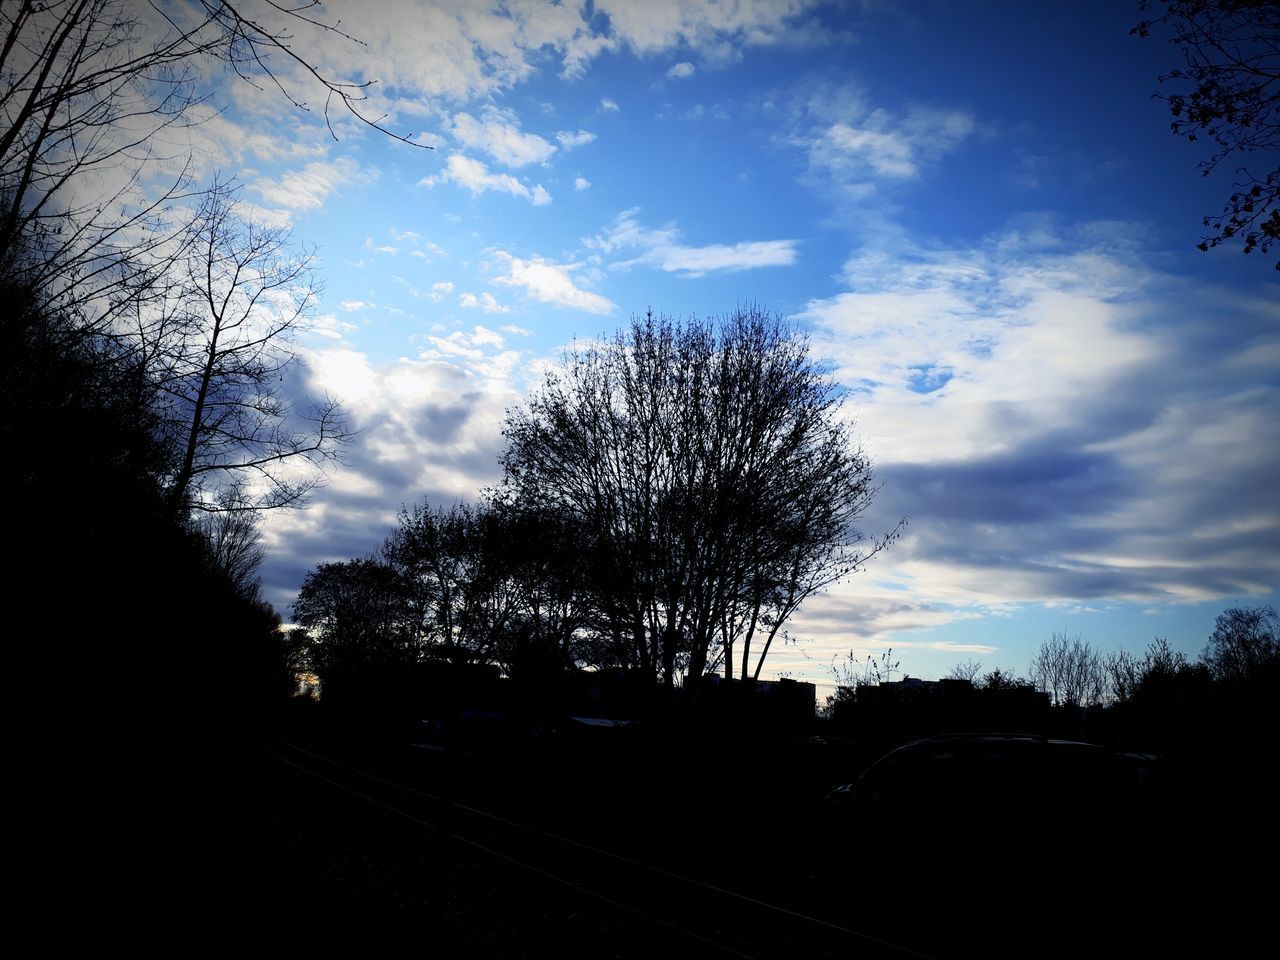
x,y
622,845
617,846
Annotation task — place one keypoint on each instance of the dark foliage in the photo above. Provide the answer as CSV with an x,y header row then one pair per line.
x,y
1228,92
1245,644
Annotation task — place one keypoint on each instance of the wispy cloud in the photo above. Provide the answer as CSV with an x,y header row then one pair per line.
x,y
581,183
484,301
551,283
310,187
497,132
569,140
473,175
717,30
857,146
681,70
1039,414
661,248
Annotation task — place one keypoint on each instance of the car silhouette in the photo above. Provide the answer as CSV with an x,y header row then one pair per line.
x,y
999,777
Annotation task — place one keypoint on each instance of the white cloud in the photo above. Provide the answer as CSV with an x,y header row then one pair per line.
x,y
551,283
498,134
310,187
718,29
352,305
328,326
475,176
569,140
483,336
661,248
858,147
412,290
1040,415
484,301
380,248
428,427
440,290
515,331
609,105
435,52
681,70
581,183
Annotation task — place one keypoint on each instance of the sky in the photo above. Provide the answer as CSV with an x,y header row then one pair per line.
x,y
976,211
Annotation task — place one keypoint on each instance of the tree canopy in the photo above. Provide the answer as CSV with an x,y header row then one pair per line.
x,y
715,480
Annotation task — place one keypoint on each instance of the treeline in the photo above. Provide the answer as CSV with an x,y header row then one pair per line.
x,y
1209,711
470,584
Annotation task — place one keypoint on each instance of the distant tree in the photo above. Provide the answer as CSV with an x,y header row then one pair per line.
x,y
219,352
713,479
1002,681
1123,673
970,670
553,624
1245,641
1228,91
1070,670
354,614
451,564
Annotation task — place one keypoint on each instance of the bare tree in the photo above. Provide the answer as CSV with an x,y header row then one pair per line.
x,y
1069,670
970,670
716,483
1123,672
235,549
222,358
1244,640
92,96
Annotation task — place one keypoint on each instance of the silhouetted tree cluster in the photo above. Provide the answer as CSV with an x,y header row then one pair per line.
x,y
102,553
482,584
670,497
147,413
148,397
1070,670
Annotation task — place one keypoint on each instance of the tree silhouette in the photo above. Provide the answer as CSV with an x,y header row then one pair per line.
x,y
1070,670
354,614
1228,92
91,92
714,480
970,670
1244,642
220,352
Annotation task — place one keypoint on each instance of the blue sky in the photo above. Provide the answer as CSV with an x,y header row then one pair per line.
x,y
976,210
